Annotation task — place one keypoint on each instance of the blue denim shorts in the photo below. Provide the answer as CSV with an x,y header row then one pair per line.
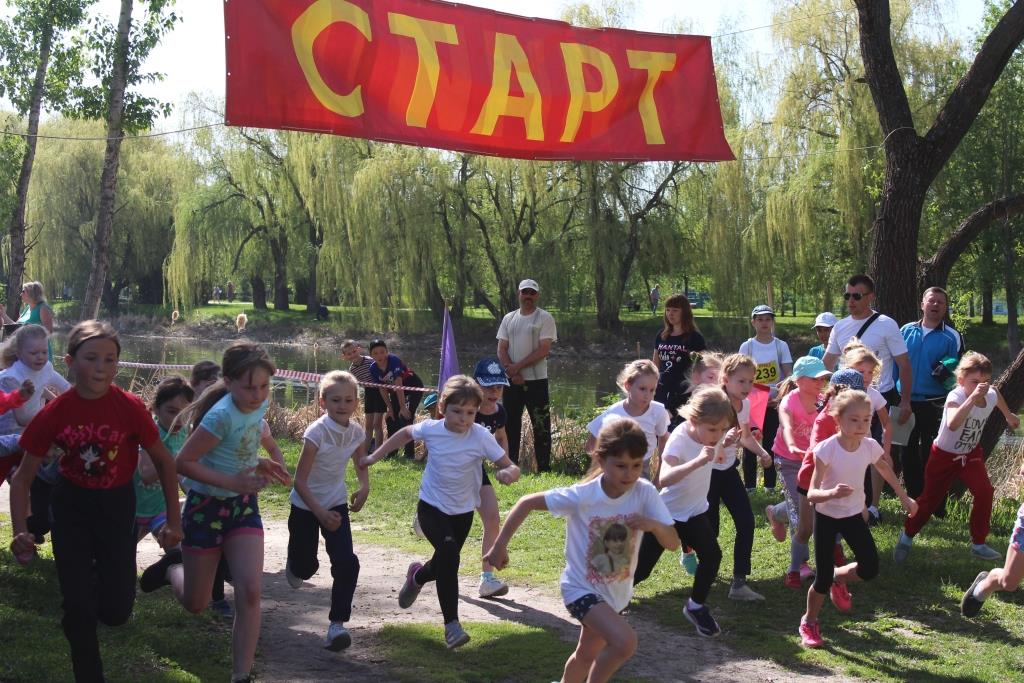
x,y
581,607
1017,537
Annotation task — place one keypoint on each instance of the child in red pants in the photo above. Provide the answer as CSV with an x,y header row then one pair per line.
x,y
956,454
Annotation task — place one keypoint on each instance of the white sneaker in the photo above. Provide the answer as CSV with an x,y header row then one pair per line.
x,y
338,637
492,587
293,581
416,528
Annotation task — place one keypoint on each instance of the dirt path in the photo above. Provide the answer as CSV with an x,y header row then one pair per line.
x,y
294,622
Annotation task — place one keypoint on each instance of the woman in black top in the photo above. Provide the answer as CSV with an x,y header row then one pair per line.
x,y
672,349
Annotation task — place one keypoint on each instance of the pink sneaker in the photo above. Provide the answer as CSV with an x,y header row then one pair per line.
x,y
810,634
841,597
806,572
793,581
778,529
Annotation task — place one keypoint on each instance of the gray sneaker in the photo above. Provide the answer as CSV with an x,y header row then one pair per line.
x,y
454,636
293,581
900,552
222,608
985,552
744,593
410,589
970,605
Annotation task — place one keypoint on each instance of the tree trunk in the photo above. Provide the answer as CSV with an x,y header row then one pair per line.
x,y
1011,385
1010,284
16,229
111,161
986,301
893,261
312,295
259,293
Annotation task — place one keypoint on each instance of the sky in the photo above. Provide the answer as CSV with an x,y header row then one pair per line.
x,y
192,56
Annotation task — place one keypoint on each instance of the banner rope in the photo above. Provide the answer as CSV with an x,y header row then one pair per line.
x,y
293,375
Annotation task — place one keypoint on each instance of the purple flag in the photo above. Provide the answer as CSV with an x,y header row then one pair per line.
x,y
449,358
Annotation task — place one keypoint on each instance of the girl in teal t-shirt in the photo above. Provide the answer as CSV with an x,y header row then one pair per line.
x,y
173,395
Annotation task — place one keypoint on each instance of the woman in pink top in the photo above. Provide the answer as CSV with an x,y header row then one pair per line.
x,y
797,411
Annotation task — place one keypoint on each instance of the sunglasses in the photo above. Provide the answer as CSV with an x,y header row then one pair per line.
x,y
528,292
856,296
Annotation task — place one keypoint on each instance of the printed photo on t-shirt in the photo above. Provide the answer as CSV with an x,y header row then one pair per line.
x,y
611,549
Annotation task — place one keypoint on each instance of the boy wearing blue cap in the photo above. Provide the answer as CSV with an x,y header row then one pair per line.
x,y
492,379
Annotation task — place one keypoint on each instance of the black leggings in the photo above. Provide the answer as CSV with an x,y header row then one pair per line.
x,y
447,533
771,426
696,533
94,552
857,534
412,400
726,487
304,531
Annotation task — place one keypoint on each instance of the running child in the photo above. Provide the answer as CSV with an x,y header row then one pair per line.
x,y
321,503
492,380
449,492
1005,578
862,359
400,404
837,495
797,412
639,381
612,495
204,374
374,405
823,325
97,430
172,396
674,347
957,455
224,473
686,477
705,370
738,372
773,363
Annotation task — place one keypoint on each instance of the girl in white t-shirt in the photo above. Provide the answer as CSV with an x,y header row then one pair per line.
x,y
726,486
638,380
613,495
956,454
862,359
449,492
836,492
321,504
686,477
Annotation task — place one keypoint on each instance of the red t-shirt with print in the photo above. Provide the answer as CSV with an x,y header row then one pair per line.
x,y
98,438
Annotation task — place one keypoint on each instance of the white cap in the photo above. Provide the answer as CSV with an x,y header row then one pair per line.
x,y
529,284
825,320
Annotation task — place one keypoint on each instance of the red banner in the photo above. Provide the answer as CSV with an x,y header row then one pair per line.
x,y
435,74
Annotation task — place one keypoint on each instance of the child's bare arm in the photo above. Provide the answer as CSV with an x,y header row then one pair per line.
x,y
670,474
884,469
508,472
392,443
1011,419
497,555
147,471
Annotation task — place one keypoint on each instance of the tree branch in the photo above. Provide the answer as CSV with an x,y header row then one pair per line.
x,y
880,70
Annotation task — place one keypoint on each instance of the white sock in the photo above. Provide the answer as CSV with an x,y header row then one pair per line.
x,y
978,593
873,510
693,606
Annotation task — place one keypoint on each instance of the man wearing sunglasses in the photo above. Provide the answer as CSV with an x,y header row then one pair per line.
x,y
525,337
881,334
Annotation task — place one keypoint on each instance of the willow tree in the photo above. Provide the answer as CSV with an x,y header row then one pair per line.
x,y
64,204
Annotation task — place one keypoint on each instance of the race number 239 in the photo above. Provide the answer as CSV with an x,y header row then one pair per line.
x,y
767,373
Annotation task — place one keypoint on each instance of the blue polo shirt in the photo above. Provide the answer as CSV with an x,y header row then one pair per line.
x,y
925,348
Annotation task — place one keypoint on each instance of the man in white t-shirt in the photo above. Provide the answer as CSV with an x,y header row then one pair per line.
x,y
525,337
881,334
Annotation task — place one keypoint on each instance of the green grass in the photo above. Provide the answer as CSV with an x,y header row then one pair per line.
x,y
161,642
905,625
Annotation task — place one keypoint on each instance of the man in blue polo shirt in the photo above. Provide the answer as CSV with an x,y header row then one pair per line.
x,y
930,340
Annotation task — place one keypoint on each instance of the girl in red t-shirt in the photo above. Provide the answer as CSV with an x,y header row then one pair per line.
x,y
96,430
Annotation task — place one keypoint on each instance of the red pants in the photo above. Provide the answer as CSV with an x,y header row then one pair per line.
x,y
7,463
942,469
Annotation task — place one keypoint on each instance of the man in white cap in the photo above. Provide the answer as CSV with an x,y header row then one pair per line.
x,y
823,325
525,337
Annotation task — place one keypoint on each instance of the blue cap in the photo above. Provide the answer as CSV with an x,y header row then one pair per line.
x,y
489,373
809,366
848,377
430,399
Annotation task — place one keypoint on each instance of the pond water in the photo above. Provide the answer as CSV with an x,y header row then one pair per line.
x,y
576,383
